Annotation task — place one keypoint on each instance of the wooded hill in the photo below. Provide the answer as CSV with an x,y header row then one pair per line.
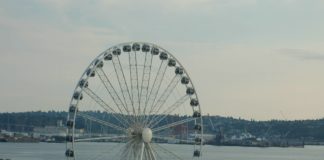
x,y
228,126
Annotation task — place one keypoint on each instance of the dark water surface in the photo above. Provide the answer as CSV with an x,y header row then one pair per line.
x,y
55,151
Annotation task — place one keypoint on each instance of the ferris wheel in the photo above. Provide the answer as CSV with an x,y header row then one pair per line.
x,y
135,101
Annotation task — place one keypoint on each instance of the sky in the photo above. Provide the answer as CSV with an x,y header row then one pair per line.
x,y
254,59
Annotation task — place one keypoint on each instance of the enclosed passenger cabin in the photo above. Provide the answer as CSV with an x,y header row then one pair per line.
x,y
171,63
196,114
108,56
136,47
190,91
126,48
198,140
72,109
197,127
196,153
69,124
184,80
99,63
77,96
155,51
163,56
179,70
83,83
90,73
69,138
69,153
194,102
145,48
116,52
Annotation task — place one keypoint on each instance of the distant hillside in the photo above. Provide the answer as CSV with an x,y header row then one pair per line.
x,y
228,126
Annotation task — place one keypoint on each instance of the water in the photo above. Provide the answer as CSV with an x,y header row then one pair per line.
x,y
55,151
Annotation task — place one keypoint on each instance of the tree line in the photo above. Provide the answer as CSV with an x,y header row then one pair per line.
x,y
292,129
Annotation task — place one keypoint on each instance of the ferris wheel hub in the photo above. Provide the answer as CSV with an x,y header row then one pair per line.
x,y
147,135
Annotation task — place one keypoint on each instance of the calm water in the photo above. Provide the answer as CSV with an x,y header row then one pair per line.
x,y
53,151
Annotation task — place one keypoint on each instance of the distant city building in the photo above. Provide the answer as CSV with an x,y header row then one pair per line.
x,y
58,130
50,131
7,133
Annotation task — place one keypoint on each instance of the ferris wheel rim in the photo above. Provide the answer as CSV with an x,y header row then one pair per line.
x,y
93,67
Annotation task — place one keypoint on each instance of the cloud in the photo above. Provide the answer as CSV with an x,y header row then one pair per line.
x,y
226,45
303,54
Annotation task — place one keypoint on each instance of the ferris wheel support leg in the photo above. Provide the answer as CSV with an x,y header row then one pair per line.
x,y
141,158
151,152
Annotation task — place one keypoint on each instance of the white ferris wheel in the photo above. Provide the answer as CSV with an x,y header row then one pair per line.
x,y
131,102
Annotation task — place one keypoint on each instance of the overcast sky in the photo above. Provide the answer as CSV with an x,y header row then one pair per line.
x,y
260,59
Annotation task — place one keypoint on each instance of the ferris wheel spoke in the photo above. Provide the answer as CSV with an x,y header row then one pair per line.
x,y
112,92
123,151
99,138
150,152
102,122
172,139
134,80
146,153
104,105
122,83
158,155
155,120
150,92
156,84
173,124
165,95
168,151
146,76
131,150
